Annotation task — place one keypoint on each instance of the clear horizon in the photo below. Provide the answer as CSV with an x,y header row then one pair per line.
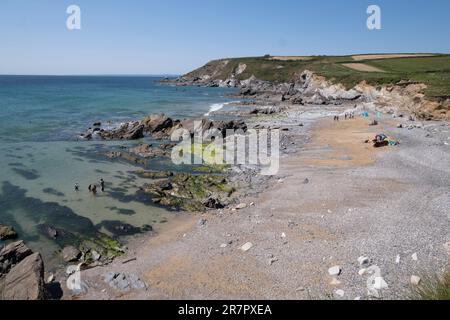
x,y
173,37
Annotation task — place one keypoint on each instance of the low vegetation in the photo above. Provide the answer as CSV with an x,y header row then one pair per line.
x,y
433,288
433,70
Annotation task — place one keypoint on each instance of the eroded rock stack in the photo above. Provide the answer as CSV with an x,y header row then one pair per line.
x,y
21,273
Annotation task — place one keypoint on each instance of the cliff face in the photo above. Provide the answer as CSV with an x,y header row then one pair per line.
x,y
309,88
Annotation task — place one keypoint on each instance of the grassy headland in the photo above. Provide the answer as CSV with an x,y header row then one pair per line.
x,y
432,70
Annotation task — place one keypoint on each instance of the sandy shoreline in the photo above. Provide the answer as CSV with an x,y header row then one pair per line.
x,y
357,201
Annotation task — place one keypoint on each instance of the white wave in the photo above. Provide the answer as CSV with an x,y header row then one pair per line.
x,y
217,106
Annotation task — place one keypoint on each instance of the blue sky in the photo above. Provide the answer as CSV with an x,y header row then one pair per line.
x,y
175,36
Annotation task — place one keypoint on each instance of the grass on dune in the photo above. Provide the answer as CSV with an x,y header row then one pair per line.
x,y
433,288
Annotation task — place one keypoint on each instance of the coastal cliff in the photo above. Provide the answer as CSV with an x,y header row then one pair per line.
x,y
330,80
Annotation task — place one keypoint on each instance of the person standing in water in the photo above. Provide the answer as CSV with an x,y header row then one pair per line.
x,y
77,187
102,185
94,189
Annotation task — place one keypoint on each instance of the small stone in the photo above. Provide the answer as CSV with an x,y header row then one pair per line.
x,y
223,245
283,235
357,298
415,280
241,206
414,257
50,278
362,272
380,284
247,246
306,181
363,261
335,271
252,204
340,293
300,289
272,261
202,222
397,260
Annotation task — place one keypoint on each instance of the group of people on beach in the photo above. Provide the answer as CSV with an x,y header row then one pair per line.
x,y
92,187
347,115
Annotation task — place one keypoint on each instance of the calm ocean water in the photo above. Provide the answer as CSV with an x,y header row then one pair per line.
x,y
40,117
43,108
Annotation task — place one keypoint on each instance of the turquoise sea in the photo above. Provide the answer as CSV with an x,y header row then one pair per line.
x,y
41,159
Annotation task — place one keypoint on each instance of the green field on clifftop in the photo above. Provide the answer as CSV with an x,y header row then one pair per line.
x,y
433,70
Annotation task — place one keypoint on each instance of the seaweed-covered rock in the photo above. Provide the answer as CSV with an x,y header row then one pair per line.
x,y
154,174
192,192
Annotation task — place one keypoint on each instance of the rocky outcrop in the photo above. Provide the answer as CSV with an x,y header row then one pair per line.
x,y
22,273
26,280
128,131
7,232
191,192
12,254
70,254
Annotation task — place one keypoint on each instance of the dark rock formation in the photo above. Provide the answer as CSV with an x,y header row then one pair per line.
x,y
26,280
12,254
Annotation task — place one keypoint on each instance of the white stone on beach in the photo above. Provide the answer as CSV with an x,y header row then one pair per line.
x,y
340,293
223,245
414,257
397,260
335,271
362,272
247,246
380,284
283,235
363,260
415,280
241,206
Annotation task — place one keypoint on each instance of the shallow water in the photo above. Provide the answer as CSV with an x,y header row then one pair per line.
x,y
41,161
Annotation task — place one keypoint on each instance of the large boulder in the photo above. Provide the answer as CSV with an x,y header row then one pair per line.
x,y
157,123
26,280
70,254
127,131
12,254
7,232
